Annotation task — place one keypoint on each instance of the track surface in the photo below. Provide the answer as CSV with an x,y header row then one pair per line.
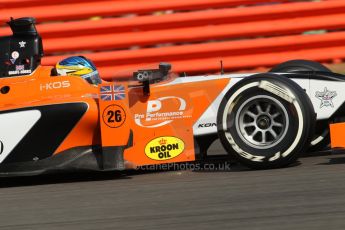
x,y
309,195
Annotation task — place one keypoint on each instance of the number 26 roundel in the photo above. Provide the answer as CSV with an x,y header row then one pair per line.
x,y
114,116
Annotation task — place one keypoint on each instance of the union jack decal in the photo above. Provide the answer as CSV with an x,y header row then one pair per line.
x,y
112,92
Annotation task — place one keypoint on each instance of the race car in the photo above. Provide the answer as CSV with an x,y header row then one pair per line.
x,y
53,123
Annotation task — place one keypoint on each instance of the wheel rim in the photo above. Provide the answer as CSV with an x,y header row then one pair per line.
x,y
262,122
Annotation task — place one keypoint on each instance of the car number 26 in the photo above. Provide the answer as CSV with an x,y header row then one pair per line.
x,y
114,116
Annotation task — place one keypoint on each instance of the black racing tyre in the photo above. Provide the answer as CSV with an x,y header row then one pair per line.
x,y
265,121
299,65
321,139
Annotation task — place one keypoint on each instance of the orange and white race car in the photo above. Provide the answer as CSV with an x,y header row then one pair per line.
x,y
52,123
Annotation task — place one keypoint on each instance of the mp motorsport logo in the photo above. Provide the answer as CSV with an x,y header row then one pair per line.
x,y
157,114
164,148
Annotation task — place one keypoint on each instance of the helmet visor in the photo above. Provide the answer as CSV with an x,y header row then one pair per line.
x,y
93,78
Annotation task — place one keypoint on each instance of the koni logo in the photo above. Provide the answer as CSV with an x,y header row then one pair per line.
x,y
162,111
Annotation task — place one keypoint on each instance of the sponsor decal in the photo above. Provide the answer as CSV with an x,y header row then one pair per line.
x,y
114,116
158,115
16,72
207,125
20,69
326,96
112,92
164,148
15,56
55,85
22,44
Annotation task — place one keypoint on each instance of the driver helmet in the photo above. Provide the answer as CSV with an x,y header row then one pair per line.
x,y
79,66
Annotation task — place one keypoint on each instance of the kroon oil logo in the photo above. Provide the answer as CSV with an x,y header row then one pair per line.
x,y
164,148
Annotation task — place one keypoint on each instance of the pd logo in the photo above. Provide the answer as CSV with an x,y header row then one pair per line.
x,y
164,148
162,111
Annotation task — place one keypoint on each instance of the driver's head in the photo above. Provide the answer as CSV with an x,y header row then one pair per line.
x,y
79,66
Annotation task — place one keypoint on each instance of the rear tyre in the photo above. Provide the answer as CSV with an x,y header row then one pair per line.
x,y
321,139
265,121
299,65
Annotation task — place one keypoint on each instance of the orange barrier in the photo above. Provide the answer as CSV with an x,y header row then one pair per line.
x,y
114,8
25,3
215,49
188,19
214,17
29,3
194,35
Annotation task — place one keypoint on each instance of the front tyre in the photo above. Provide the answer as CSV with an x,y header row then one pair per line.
x,y
321,139
265,121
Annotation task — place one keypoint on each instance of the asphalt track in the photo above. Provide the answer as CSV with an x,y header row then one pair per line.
x,y
307,195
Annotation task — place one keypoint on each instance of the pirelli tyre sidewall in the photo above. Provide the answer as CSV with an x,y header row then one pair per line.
x,y
296,121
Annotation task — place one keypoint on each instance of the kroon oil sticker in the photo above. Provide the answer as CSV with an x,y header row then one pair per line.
x,y
164,148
